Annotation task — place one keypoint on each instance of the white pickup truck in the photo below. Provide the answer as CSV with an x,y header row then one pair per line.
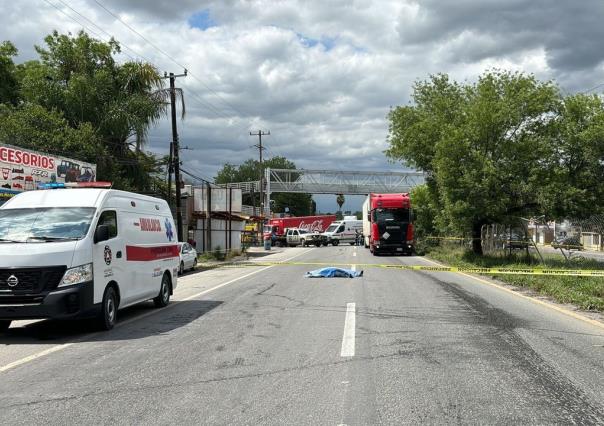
x,y
301,237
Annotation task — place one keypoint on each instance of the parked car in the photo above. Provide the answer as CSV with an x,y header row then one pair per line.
x,y
87,175
188,258
569,243
516,242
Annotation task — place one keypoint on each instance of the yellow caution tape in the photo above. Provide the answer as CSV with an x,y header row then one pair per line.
x,y
504,241
470,270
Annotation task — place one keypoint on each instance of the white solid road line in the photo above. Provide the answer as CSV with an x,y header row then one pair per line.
x,y
62,346
349,330
34,356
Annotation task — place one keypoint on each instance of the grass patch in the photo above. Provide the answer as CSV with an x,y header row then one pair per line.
x,y
585,292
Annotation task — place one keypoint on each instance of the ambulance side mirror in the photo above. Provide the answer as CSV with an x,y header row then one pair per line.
x,y
101,234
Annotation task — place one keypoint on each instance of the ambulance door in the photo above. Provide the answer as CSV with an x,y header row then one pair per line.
x,y
349,233
109,260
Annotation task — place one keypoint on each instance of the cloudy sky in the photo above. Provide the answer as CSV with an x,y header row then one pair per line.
x,y
320,75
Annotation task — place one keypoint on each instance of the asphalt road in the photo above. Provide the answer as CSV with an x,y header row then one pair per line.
x,y
264,345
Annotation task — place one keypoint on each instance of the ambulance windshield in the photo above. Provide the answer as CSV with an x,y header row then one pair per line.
x,y
39,225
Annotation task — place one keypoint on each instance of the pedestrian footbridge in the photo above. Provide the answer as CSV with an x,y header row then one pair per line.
x,y
340,182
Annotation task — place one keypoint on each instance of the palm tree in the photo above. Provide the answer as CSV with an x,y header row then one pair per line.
x,y
146,99
340,200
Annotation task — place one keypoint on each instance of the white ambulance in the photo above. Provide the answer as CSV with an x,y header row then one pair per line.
x,y
343,231
85,252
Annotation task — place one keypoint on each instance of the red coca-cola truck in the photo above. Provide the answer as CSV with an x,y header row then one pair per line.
x,y
388,223
276,228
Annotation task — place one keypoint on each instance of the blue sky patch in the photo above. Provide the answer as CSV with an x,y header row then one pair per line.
x,y
202,20
327,42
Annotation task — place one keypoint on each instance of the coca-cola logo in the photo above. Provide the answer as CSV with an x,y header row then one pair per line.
x,y
316,226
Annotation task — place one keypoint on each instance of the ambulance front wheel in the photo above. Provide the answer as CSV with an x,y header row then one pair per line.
x,y
108,315
163,298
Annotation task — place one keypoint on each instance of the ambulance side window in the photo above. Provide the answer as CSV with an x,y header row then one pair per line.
x,y
109,218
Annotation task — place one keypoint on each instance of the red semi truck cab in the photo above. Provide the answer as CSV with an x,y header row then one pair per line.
x,y
277,227
388,223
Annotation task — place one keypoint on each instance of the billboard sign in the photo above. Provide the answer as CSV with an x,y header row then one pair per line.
x,y
222,200
23,169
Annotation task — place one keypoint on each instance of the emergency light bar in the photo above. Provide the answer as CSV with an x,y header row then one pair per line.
x,y
58,185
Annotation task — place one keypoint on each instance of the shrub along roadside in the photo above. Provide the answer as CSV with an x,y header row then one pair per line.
x,y
219,255
585,292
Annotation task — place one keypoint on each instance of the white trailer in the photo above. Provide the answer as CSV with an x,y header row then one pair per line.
x,y
366,222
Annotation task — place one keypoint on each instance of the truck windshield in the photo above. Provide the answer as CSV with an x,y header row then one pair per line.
x,y
396,215
37,225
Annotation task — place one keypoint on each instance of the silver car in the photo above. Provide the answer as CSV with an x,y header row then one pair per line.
x,y
188,258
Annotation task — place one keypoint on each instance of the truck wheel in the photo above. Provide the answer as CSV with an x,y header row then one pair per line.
x,y
163,298
318,244
4,324
108,315
335,243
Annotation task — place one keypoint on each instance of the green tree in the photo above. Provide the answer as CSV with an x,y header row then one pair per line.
x,y
577,165
78,76
486,145
340,200
34,127
425,211
249,170
9,89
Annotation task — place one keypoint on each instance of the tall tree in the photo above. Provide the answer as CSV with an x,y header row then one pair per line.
x,y
576,166
340,200
9,89
249,170
78,76
484,144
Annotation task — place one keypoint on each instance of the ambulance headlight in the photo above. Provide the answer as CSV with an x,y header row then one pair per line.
x,y
77,275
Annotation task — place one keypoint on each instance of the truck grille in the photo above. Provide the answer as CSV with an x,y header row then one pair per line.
x,y
397,234
30,280
10,299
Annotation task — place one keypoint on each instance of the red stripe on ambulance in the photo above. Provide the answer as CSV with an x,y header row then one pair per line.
x,y
145,254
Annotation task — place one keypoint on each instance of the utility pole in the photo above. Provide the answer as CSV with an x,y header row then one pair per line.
x,y
175,152
261,133
170,171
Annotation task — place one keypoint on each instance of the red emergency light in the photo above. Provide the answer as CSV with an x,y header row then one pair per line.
x,y
58,185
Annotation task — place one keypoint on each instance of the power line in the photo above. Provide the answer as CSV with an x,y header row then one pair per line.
x,y
201,179
73,19
191,92
593,88
105,32
171,59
